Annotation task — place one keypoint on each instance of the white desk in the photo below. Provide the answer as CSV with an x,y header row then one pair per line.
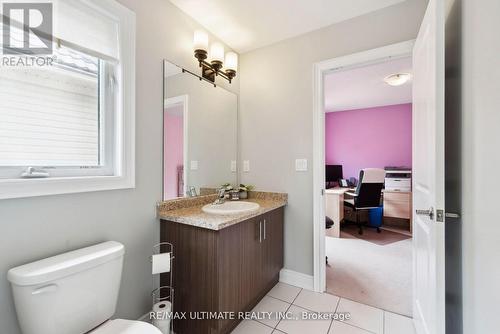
x,y
334,208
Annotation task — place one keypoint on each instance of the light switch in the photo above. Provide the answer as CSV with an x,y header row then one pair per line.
x,y
194,164
233,166
246,166
301,165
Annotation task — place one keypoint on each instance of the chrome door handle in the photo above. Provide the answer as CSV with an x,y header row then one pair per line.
x,y
429,213
451,215
260,232
264,229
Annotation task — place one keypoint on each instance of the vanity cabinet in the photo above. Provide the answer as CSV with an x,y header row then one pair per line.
x,y
227,270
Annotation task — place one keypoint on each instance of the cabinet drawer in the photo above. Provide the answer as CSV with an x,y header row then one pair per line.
x,y
397,205
397,210
395,196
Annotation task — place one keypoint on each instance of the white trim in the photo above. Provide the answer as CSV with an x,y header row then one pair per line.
x,y
297,279
124,169
170,102
398,50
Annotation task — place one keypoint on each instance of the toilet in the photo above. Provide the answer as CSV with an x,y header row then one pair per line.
x,y
73,293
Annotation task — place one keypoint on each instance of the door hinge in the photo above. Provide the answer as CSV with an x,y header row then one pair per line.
x,y
322,192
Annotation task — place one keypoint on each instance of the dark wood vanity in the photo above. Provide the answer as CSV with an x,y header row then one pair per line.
x,y
226,270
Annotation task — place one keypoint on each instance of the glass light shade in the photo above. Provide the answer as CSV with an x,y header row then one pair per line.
x,y
200,40
231,62
397,79
217,52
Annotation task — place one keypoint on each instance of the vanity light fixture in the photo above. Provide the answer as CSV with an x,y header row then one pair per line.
x,y
397,79
220,64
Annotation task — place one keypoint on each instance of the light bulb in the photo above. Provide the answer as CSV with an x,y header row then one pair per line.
x,y
217,52
200,40
231,62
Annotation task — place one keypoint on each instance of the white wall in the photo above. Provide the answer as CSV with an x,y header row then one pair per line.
x,y
35,228
481,163
276,110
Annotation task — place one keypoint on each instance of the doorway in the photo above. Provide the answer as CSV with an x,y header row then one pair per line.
x,y
368,159
322,69
175,146
428,178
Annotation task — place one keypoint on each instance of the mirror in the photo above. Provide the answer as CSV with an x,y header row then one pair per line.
x,y
200,122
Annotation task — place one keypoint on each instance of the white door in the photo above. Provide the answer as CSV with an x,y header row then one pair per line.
x,y
428,173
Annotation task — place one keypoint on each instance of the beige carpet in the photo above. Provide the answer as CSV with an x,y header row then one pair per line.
x,y
371,235
373,273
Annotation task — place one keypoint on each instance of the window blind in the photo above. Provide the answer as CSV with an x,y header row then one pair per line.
x,y
49,116
83,26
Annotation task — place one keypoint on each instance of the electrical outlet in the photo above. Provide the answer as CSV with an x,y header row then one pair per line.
x,y
233,166
194,164
301,165
246,166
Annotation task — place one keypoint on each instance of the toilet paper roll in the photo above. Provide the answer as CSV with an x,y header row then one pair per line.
x,y
161,263
162,314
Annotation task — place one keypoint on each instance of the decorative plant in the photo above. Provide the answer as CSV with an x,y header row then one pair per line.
x,y
246,187
227,186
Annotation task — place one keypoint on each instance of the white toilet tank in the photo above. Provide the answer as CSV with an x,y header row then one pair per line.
x,y
70,293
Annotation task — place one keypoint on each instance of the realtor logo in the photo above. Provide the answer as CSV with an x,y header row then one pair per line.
x,y
27,28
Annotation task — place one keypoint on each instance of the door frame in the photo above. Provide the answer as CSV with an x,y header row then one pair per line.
x,y
320,69
171,102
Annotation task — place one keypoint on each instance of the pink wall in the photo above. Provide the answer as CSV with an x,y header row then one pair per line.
x,y
374,137
173,152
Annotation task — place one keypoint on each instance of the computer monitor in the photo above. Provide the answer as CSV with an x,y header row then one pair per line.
x,y
333,173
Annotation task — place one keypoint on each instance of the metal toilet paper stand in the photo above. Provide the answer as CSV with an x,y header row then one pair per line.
x,y
164,292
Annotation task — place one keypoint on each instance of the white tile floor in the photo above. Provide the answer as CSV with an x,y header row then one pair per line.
x,y
364,319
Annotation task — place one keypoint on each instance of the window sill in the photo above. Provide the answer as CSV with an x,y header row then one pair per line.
x,y
19,188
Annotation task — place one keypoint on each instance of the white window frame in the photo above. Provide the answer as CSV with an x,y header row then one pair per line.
x,y
118,138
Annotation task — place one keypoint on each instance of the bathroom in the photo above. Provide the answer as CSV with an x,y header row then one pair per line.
x,y
274,86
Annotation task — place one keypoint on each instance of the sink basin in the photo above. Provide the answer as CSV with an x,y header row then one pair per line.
x,y
231,208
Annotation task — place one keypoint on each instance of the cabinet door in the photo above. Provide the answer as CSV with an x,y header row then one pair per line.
x,y
277,239
229,274
272,249
251,264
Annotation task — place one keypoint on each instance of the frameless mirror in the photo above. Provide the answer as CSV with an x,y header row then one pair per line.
x,y
200,122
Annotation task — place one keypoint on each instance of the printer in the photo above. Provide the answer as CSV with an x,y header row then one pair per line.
x,y
398,179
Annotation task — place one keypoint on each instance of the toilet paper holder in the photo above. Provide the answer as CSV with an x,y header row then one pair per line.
x,y
164,293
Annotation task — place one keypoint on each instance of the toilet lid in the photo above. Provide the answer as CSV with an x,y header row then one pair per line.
x,y
121,326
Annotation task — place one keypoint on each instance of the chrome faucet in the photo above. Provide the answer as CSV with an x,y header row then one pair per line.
x,y
221,196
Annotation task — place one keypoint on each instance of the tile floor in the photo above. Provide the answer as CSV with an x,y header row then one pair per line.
x,y
286,298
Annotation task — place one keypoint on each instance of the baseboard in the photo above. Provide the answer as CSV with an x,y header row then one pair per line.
x,y
297,279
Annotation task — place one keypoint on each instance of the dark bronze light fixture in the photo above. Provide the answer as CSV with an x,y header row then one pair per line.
x,y
218,66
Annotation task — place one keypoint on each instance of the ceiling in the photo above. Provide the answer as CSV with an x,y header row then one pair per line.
x,y
245,25
364,87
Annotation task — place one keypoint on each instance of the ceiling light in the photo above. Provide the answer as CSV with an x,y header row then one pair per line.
x,y
397,79
211,69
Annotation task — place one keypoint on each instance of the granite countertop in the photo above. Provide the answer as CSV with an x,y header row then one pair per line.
x,y
188,211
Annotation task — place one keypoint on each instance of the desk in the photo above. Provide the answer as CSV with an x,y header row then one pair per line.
x,y
334,207
398,204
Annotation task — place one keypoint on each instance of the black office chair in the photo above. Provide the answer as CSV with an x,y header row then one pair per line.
x,y
368,193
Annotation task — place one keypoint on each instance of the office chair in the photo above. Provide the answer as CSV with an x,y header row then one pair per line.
x,y
368,193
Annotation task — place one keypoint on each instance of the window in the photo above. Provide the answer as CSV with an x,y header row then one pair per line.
x,y
53,118
68,127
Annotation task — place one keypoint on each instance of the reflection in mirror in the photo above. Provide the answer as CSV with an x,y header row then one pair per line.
x,y
200,134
